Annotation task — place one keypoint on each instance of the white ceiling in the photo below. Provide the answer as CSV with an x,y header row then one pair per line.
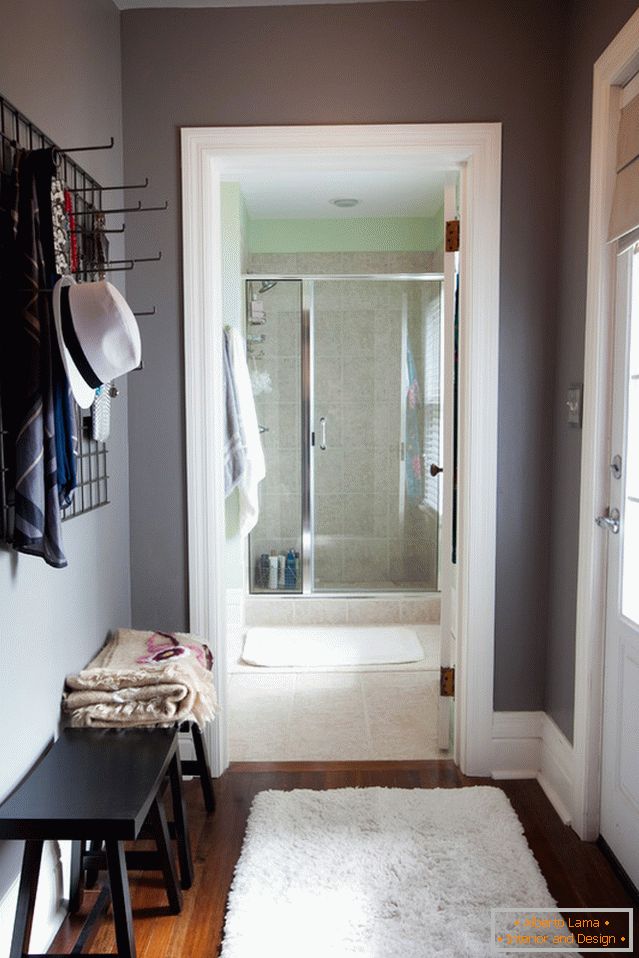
x,y
168,4
304,194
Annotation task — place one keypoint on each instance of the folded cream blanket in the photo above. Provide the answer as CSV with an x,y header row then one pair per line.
x,y
144,678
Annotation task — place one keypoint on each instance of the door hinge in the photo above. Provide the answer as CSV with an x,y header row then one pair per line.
x,y
447,681
452,236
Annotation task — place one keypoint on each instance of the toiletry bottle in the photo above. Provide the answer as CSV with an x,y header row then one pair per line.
x,y
272,570
297,568
263,571
281,571
289,573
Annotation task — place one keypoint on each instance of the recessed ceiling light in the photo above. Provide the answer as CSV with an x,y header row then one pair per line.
x,y
344,202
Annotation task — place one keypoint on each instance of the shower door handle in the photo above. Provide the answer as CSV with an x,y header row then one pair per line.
x,y
322,443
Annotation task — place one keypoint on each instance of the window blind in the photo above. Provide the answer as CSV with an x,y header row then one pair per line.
x,y
625,205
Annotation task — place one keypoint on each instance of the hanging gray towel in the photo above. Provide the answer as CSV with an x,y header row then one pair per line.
x,y
234,441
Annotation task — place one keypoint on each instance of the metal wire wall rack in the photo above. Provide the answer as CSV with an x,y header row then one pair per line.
x,y
92,491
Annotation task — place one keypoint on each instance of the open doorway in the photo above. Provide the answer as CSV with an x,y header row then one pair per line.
x,y
334,652
472,151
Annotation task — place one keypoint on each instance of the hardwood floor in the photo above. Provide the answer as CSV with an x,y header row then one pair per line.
x,y
578,874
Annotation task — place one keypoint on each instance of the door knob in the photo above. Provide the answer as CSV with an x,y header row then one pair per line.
x,y
610,522
434,469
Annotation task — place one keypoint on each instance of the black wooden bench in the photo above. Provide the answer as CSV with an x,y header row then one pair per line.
x,y
99,786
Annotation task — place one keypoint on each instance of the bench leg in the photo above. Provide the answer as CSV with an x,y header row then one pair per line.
x,y
120,899
75,877
91,876
157,819
204,770
181,824
26,898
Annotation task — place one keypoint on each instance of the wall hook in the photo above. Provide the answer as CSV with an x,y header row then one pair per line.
x,y
148,209
127,264
139,259
83,149
102,189
123,209
114,230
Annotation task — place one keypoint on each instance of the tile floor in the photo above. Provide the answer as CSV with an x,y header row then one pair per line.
x,y
333,716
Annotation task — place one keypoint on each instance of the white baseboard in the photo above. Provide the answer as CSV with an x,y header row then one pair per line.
x,y
556,774
529,745
51,902
516,744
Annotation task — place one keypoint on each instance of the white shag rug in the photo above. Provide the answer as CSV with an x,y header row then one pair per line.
x,y
331,645
378,873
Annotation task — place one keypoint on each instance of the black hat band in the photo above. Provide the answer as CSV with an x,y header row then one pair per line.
x,y
72,342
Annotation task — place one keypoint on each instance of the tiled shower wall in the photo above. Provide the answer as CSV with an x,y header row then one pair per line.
x,y
367,535
278,410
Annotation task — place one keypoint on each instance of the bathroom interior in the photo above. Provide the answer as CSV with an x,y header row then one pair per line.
x,y
333,600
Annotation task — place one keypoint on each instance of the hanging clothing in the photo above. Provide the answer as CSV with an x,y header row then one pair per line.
x,y
101,413
61,236
66,431
37,528
9,379
234,441
95,246
101,243
73,236
255,466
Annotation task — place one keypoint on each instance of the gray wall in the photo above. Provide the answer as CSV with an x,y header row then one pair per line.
x,y
442,60
591,27
60,64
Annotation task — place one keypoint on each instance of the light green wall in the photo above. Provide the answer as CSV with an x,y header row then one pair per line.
x,y
358,234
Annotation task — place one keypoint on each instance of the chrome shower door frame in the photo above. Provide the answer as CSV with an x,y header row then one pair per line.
x,y
307,360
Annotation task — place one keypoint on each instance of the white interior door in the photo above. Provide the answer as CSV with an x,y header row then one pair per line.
x,y
620,758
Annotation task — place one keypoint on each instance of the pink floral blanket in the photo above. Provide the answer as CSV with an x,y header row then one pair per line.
x,y
144,679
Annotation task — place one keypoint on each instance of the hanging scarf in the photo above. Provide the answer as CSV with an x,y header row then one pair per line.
x,y
37,512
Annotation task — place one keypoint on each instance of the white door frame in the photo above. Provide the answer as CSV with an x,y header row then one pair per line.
x,y
473,148
618,63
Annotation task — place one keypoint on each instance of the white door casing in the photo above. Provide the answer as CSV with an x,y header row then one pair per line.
x,y
447,571
620,739
475,150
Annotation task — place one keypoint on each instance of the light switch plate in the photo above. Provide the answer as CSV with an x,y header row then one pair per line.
x,y
574,404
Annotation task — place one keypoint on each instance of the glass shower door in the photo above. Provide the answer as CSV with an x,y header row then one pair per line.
x,y
376,423
273,335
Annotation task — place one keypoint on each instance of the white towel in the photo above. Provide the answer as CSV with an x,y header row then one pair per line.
x,y
255,466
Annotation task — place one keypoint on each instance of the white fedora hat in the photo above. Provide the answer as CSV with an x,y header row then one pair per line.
x,y
98,335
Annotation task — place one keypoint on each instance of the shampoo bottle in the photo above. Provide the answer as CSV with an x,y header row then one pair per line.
x,y
289,572
272,570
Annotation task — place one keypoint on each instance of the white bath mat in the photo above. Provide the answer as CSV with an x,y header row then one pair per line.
x,y
331,645
378,873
